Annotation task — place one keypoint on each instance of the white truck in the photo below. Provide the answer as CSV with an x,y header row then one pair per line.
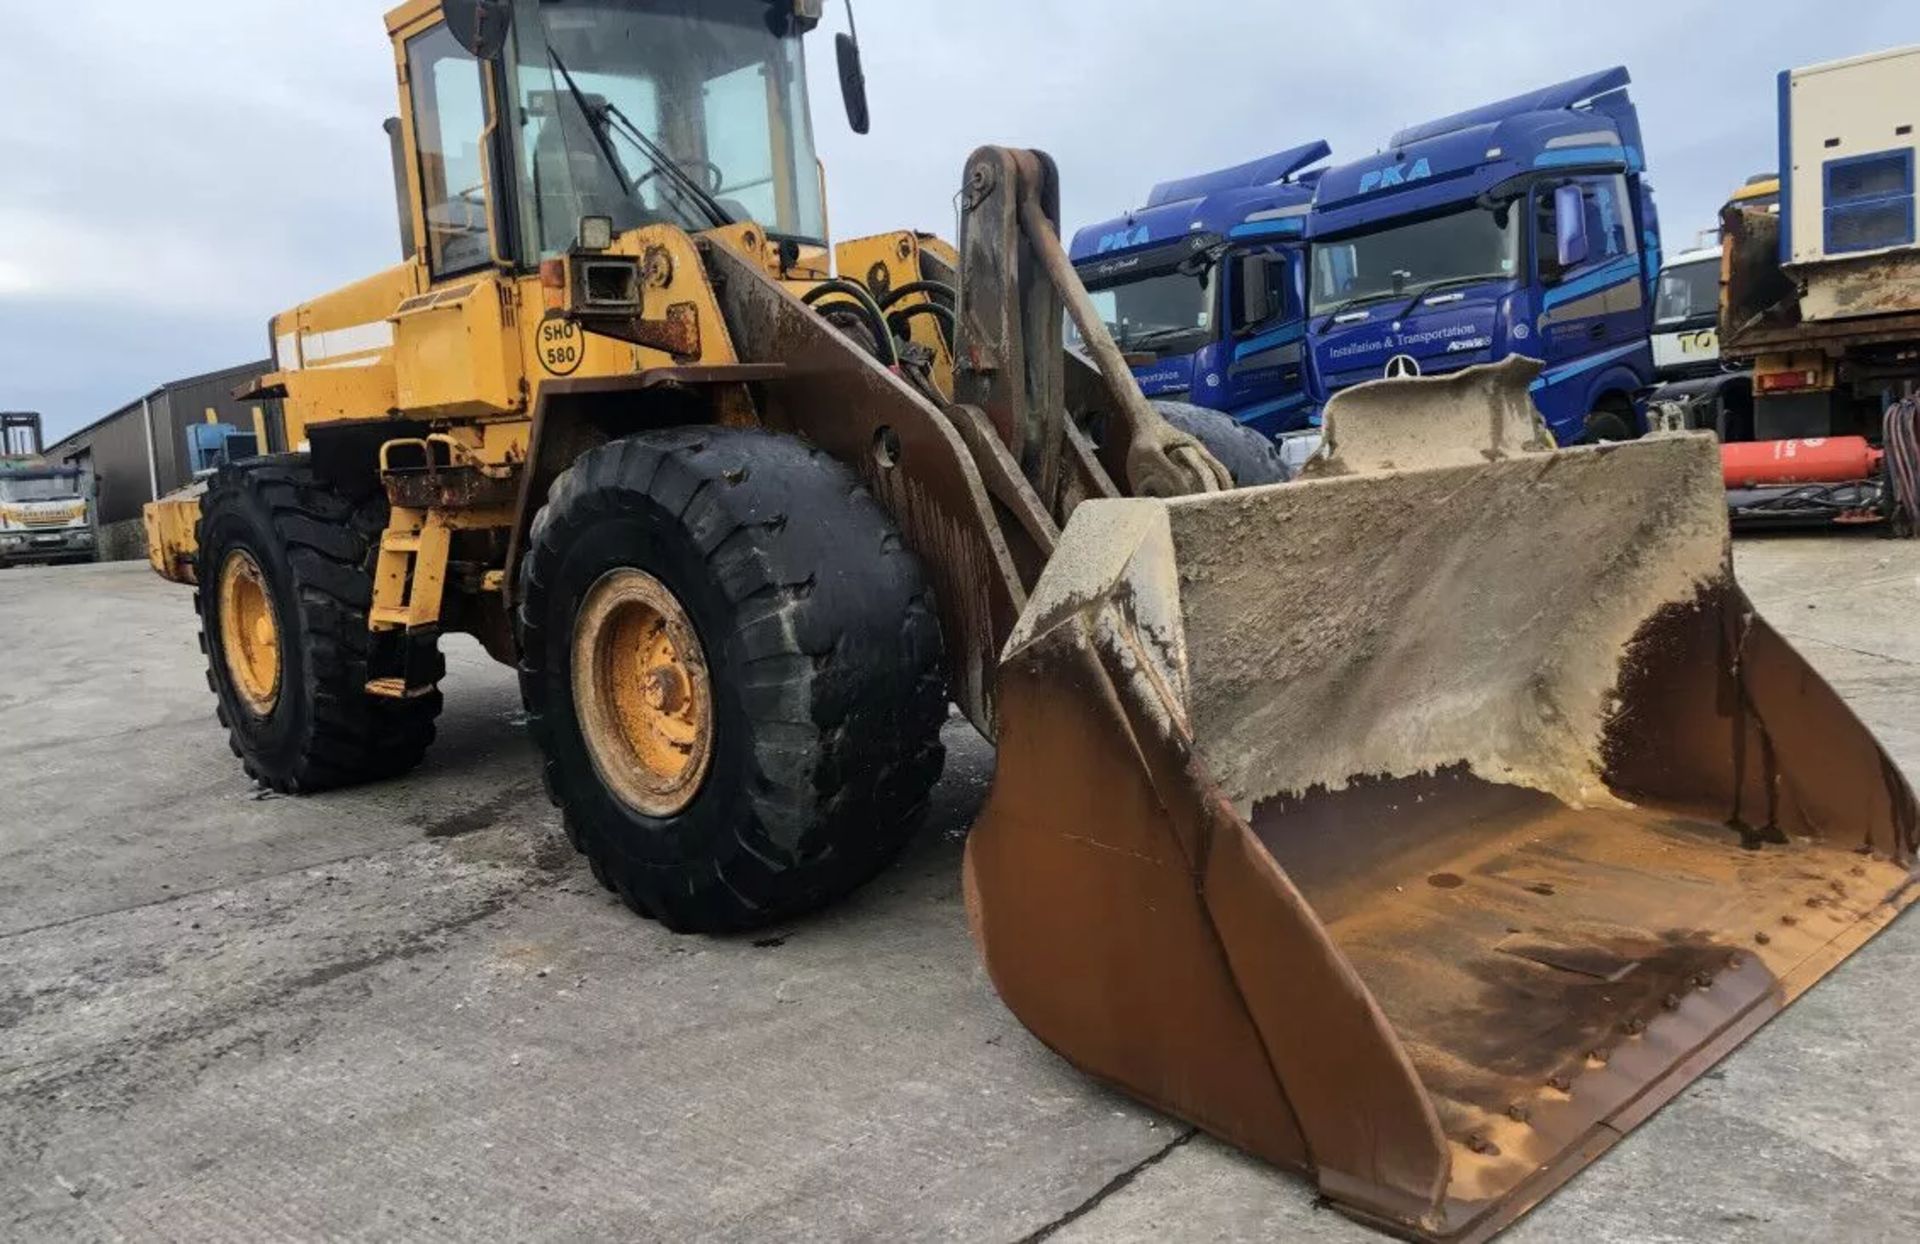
x,y
46,508
1697,390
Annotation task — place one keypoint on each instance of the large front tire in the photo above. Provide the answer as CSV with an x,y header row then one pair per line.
x,y
285,570
733,666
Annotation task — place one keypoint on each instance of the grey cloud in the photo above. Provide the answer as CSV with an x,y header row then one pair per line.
x,y
172,174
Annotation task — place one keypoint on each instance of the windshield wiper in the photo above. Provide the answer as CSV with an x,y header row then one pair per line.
x,y
1159,334
678,176
1355,301
1434,287
597,120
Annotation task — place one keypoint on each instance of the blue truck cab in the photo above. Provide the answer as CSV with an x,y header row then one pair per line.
x,y
1522,227
1204,288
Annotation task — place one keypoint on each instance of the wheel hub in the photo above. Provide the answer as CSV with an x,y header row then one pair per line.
x,y
249,633
642,692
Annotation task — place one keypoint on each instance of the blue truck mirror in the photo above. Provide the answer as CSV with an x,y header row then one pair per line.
x,y
1570,225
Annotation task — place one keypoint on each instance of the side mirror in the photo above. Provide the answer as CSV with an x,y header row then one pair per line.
x,y
1570,225
480,26
853,83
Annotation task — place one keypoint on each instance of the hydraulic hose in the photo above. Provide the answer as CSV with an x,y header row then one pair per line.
x,y
869,310
934,291
898,319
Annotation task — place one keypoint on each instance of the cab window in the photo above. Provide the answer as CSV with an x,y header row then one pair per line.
x,y
1610,231
1263,292
449,118
739,158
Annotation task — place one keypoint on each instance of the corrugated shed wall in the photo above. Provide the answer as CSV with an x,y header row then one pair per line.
x,y
117,445
117,449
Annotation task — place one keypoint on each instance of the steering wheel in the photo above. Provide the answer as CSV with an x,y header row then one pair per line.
x,y
715,178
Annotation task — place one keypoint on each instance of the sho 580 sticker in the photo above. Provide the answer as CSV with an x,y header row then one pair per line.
x,y
561,346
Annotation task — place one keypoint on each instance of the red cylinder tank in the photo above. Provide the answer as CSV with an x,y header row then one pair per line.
x,y
1813,460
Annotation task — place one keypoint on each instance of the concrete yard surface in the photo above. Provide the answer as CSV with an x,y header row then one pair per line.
x,y
408,1012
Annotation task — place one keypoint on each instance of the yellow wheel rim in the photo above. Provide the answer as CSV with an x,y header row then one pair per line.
x,y
642,693
249,633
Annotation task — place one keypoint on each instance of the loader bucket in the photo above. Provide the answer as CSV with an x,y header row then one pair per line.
x,y
1426,824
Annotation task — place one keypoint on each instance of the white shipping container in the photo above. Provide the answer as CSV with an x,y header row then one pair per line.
x,y
1849,146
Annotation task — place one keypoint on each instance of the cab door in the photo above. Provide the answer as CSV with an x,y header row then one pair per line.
x,y
456,344
1598,303
1266,346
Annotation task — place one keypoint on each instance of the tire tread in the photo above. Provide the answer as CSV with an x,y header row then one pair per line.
x,y
846,734
330,545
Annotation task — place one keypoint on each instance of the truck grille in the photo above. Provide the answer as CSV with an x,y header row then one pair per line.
x,y
1439,365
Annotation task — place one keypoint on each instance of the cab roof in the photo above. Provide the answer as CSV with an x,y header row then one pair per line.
x,y
1583,122
1265,198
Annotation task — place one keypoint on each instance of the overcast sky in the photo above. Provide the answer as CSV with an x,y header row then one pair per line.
x,y
172,174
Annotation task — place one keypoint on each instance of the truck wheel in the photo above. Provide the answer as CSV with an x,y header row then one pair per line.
x,y
1611,421
733,666
285,569
1248,456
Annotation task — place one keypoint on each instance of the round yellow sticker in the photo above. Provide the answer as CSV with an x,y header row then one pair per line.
x,y
561,346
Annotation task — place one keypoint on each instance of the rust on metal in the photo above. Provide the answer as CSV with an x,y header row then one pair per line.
x,y
1435,914
678,334
643,692
1017,282
1768,307
1003,476
906,451
249,632
450,488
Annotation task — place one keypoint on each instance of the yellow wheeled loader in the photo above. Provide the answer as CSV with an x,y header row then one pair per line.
x,y
1421,825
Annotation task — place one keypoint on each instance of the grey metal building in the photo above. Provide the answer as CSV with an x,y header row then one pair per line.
x,y
139,452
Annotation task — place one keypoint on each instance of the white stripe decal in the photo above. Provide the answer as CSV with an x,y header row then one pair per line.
x,y
354,339
1279,213
1592,138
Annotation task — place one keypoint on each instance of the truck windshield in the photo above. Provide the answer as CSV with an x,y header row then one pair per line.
x,y
1170,312
39,487
1688,291
706,86
1401,259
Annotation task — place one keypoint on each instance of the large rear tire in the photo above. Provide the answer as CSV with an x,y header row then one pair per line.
x,y
733,666
285,569
1250,458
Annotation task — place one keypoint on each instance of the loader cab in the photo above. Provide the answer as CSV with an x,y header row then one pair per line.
x,y
691,113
